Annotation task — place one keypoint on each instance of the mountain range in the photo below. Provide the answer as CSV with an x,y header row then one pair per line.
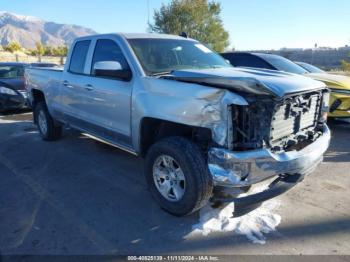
x,y
28,30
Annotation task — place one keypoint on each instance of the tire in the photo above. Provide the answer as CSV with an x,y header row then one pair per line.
x,y
197,187
48,128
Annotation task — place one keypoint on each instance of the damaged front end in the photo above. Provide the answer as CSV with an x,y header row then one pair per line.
x,y
279,132
272,137
282,139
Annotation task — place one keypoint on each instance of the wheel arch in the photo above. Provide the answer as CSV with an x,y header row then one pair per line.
x,y
154,129
37,96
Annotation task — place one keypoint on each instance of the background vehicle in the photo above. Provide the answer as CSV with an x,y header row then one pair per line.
x,y
199,122
263,61
13,94
310,68
339,85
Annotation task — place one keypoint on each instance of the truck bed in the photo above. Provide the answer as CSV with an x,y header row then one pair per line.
x,y
47,80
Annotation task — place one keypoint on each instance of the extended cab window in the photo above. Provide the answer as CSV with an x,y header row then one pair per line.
x,y
108,50
78,57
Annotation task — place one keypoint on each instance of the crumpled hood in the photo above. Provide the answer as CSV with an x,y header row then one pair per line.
x,y
332,81
256,81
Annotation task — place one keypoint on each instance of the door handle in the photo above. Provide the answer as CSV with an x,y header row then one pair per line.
x,y
66,84
89,87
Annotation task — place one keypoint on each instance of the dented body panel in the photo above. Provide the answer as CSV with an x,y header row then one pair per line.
x,y
185,103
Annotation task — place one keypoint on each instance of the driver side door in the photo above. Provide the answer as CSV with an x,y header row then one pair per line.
x,y
107,98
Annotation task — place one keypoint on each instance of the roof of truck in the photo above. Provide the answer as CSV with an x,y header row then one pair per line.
x,y
150,35
138,35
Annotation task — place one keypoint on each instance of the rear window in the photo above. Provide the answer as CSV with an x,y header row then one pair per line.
x,y
10,71
78,58
283,64
310,68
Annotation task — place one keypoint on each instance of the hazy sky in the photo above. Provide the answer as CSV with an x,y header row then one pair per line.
x,y
252,24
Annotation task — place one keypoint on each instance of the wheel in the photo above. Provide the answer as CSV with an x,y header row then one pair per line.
x,y
48,128
177,176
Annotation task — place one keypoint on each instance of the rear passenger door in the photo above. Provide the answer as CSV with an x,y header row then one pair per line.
x,y
74,80
108,108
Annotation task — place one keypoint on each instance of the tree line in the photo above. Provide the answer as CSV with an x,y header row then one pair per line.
x,y
39,50
345,66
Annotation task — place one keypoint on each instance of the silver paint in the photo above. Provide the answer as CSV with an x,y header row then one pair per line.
x,y
198,98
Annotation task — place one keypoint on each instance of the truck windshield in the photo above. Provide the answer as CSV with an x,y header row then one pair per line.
x,y
160,56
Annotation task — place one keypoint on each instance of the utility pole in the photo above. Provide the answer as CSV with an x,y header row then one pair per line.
x,y
148,13
312,54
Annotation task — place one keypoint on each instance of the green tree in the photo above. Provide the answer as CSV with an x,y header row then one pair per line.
x,y
48,50
345,66
13,47
39,50
200,19
60,51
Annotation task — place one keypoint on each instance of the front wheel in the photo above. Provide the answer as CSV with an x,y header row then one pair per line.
x,y
177,176
49,130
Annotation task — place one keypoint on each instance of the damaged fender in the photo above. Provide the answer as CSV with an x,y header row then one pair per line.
x,y
186,103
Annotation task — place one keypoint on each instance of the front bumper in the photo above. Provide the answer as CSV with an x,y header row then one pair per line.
x,y
240,169
10,102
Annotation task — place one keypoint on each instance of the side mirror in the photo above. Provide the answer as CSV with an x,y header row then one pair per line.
x,y
111,69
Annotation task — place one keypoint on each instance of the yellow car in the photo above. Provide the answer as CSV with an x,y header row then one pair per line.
x,y
339,104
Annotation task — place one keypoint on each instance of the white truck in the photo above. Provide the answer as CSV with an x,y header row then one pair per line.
x,y
202,125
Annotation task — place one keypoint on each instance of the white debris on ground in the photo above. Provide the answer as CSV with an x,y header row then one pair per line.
x,y
253,225
4,121
10,119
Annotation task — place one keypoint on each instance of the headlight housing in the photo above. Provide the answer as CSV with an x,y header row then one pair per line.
x,y
7,91
325,106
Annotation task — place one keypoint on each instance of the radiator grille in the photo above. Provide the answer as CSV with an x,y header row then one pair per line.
x,y
295,117
278,124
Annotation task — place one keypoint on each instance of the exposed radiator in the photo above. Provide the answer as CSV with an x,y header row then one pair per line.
x,y
277,124
295,117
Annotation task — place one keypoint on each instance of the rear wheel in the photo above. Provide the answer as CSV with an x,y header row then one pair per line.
x,y
49,129
177,176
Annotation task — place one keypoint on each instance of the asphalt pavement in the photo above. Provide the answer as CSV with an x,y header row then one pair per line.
x,y
80,196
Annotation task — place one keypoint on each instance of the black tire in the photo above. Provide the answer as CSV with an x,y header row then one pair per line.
x,y
53,129
199,183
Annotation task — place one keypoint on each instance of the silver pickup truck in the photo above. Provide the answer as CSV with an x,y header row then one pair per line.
x,y
203,126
